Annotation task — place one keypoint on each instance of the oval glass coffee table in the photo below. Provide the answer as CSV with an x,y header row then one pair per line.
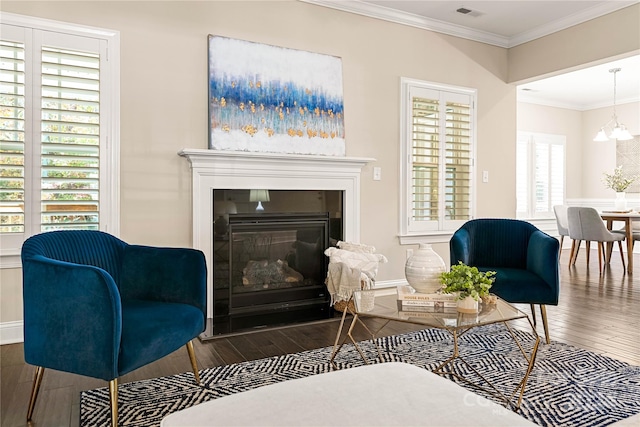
x,y
387,307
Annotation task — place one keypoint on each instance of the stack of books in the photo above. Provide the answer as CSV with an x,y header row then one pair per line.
x,y
410,300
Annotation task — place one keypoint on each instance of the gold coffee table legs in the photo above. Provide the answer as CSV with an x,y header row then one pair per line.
x,y
447,367
337,346
530,358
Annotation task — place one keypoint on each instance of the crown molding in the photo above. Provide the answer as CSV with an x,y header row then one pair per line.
x,y
523,97
569,21
413,20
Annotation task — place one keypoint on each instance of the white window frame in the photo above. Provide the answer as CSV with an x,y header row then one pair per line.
x,y
109,41
531,139
444,230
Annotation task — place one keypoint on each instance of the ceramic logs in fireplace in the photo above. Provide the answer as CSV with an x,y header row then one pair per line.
x,y
269,270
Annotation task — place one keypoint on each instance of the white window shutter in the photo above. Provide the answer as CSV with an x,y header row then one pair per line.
x,y
458,161
59,102
70,139
540,174
557,175
425,159
12,137
438,147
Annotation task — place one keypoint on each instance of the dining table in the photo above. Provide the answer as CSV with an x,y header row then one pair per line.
x,y
627,218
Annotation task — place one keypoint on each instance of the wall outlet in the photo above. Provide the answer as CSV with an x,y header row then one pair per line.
x,y
485,176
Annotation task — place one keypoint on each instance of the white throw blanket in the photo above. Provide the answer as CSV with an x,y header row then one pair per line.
x,y
356,247
350,271
342,280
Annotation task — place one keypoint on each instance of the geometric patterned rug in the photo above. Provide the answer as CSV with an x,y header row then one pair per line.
x,y
567,387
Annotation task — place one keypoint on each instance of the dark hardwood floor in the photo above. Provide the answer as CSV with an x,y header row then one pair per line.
x,y
597,312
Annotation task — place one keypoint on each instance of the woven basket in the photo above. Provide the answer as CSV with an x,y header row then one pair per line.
x,y
342,305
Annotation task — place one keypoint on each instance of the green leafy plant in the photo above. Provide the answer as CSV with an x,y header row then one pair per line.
x,y
617,181
468,281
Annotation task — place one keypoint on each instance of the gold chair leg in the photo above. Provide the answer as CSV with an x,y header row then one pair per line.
x,y
533,313
37,380
113,398
543,311
194,362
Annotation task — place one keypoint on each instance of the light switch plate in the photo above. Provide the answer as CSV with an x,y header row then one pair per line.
x,y
377,173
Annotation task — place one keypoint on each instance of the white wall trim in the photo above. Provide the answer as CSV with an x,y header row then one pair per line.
x,y
425,23
10,259
11,332
633,201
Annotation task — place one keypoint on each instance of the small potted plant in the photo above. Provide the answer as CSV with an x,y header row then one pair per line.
x,y
619,183
470,284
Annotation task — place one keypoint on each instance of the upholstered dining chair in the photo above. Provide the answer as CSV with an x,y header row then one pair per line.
x,y
635,229
524,258
97,306
586,224
562,222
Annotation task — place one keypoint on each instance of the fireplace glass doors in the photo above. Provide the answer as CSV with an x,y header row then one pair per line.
x,y
269,269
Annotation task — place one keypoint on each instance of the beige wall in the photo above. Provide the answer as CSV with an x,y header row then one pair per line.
x,y
164,104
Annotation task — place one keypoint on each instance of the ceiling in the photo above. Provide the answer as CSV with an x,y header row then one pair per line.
x,y
587,88
510,23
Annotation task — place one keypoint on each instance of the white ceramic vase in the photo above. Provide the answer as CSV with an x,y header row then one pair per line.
x,y
423,269
621,201
468,305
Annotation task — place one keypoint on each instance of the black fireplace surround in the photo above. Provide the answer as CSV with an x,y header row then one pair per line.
x,y
269,269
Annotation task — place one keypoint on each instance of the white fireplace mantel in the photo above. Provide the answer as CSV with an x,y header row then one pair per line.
x,y
215,169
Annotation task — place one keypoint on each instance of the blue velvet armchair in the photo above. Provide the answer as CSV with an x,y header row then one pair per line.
x,y
97,306
524,258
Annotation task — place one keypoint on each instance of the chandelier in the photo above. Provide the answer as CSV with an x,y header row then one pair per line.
x,y
619,131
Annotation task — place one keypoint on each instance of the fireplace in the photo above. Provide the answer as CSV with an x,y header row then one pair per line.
x,y
269,270
245,171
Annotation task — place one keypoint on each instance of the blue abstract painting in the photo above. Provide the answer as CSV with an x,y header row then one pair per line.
x,y
266,98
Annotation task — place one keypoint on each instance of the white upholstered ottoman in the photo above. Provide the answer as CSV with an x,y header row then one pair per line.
x,y
386,394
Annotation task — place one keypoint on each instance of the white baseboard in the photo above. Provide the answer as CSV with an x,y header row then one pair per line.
x,y
11,332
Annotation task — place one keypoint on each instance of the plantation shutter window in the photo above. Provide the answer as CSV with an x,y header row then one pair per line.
x,y
540,177
458,161
70,140
12,131
439,147
425,158
58,136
